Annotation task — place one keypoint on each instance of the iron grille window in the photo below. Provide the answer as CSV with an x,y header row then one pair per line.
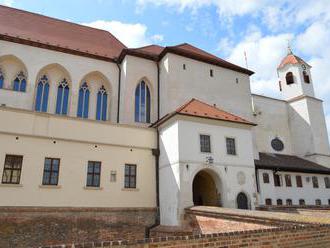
x,y
318,202
279,202
289,202
205,142
265,177
277,180
51,171
231,146
327,182
288,181
299,182
12,169
130,176
301,202
315,182
93,174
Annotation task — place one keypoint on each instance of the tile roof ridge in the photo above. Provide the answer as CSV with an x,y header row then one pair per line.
x,y
63,21
184,105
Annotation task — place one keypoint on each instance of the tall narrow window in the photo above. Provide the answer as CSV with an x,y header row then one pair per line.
x,y
288,180
231,146
2,79
277,180
306,77
93,174
142,103
62,98
130,176
51,171
299,182
289,78
102,104
265,177
205,143
327,182
12,169
315,182
83,101
20,82
42,95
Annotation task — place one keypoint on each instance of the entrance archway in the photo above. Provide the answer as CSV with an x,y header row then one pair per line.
x,y
242,201
205,189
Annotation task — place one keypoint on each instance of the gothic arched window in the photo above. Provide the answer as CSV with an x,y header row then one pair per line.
x,y
83,101
102,104
142,103
306,77
289,78
2,79
42,94
62,98
20,82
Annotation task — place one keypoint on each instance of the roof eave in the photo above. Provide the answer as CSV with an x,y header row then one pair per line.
x,y
279,168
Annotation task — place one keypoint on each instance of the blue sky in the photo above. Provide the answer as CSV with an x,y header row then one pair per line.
x,y
226,28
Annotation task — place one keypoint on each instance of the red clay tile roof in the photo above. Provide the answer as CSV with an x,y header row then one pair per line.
x,y
291,59
52,32
156,53
196,108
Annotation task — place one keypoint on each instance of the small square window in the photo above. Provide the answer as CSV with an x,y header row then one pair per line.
x,y
211,73
301,202
51,171
318,202
268,202
231,146
289,202
279,202
12,169
205,143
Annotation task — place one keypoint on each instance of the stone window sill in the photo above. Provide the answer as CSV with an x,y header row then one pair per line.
x,y
130,189
11,185
50,186
92,188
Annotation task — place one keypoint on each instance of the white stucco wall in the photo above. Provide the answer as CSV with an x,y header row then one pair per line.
x,y
77,142
307,192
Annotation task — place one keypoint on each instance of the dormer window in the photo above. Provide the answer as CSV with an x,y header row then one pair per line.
x,y
289,78
306,77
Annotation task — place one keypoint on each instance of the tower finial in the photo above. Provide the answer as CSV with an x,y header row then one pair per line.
x,y
289,48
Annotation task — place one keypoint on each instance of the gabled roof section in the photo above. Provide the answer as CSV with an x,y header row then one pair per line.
x,y
38,30
199,109
292,60
156,53
281,162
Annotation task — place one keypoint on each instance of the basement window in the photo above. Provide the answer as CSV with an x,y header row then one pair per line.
x,y
279,202
288,202
268,202
318,202
302,202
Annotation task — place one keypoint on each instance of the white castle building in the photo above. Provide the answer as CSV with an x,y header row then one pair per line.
x,y
89,123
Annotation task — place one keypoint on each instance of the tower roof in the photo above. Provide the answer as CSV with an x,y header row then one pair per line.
x,y
292,60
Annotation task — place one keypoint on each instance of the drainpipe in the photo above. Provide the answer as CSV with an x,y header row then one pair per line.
x,y
156,153
119,83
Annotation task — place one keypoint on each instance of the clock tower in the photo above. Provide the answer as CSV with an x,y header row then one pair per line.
x,y
306,116
295,77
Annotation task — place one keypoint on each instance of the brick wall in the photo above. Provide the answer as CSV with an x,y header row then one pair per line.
x,y
317,236
33,227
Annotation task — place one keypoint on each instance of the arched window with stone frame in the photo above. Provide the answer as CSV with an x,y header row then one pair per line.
x,y
142,103
289,78
62,102
102,104
19,83
41,103
83,101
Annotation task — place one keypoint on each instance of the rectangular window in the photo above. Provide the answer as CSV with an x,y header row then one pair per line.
x,y
211,73
93,174
12,169
130,176
299,182
277,180
327,182
265,177
231,146
288,181
289,202
51,171
315,182
205,143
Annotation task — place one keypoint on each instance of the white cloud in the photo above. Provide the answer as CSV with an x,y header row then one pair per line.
x,y
7,2
131,34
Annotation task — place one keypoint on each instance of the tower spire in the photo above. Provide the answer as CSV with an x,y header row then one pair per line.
x,y
289,48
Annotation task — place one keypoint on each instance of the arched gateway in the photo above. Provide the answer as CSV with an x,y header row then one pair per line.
x,y
206,189
242,201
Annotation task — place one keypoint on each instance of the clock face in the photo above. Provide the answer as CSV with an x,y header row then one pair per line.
x,y
303,66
